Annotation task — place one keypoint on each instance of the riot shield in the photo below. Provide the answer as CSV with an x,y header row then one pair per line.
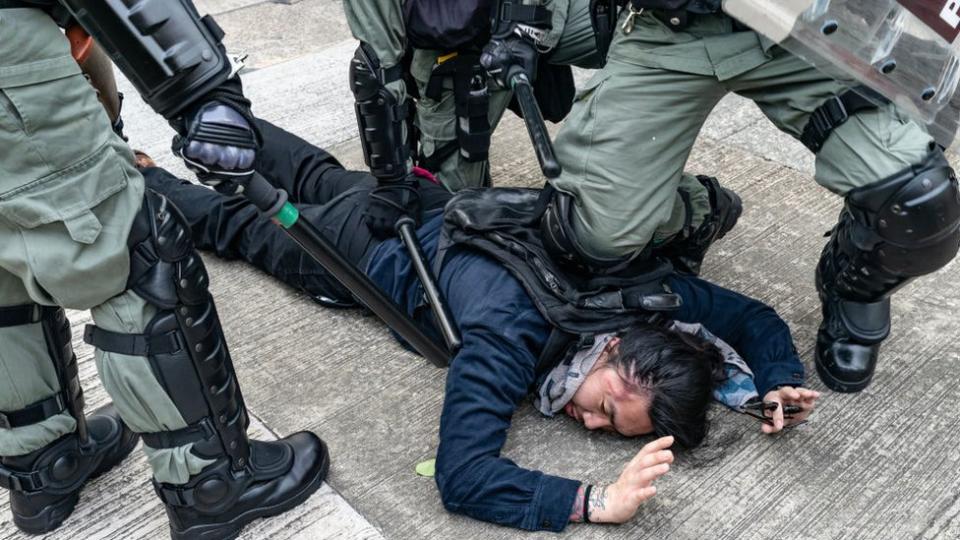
x,y
905,50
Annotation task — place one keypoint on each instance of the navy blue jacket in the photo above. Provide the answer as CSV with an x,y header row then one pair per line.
x,y
503,334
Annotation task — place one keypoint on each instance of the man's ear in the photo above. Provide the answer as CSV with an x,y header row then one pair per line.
x,y
614,346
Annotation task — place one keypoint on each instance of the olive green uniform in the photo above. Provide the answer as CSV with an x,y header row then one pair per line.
x,y
626,141
379,23
68,197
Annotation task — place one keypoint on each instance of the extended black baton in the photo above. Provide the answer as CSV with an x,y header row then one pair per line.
x,y
408,234
273,202
536,127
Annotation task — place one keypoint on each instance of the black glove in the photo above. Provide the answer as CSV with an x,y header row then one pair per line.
x,y
504,57
391,201
218,140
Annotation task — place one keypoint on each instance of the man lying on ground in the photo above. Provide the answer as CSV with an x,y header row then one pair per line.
x,y
649,379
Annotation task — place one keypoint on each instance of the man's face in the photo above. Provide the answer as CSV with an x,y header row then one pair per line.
x,y
605,401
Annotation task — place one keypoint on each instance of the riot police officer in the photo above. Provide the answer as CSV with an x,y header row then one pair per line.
x,y
79,231
628,137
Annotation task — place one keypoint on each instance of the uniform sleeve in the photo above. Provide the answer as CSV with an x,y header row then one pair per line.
x,y
751,327
502,336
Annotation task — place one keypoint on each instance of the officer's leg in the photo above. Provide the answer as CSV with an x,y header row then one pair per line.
x,y
623,149
437,122
45,453
77,231
900,218
48,447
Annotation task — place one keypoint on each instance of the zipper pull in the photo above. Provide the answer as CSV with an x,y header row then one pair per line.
x,y
627,25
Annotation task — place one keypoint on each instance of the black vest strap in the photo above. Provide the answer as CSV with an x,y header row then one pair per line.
x,y
131,344
33,413
834,113
19,315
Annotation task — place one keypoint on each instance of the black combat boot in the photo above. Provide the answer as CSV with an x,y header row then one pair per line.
x,y
219,501
188,354
687,253
45,484
849,338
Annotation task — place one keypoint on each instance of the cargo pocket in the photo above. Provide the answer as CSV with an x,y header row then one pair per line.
x,y
49,125
67,196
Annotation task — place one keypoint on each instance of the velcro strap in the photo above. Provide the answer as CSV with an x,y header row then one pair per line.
x,y
175,495
33,413
525,14
131,344
19,315
23,482
392,73
834,113
200,431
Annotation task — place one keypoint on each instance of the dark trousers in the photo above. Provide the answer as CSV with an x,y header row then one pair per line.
x,y
332,198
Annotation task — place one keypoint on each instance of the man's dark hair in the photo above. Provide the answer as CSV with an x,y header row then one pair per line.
x,y
677,371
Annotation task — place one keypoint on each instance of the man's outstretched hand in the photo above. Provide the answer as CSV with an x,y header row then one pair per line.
x,y
619,502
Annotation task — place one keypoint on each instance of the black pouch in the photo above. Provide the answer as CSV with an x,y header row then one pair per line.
x,y
603,18
447,25
471,105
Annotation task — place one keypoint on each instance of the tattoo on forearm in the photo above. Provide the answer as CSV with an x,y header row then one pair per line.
x,y
598,500
576,514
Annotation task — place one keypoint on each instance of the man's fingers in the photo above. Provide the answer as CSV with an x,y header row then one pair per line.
x,y
788,392
650,474
643,494
652,460
659,444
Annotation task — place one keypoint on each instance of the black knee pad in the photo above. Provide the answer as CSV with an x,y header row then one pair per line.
x,y
561,242
905,226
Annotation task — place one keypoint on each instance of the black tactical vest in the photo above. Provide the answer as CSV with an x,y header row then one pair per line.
x,y
504,223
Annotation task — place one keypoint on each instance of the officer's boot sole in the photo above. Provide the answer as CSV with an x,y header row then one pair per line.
x,y
232,528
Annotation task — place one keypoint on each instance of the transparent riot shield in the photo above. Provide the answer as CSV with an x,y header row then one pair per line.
x,y
907,50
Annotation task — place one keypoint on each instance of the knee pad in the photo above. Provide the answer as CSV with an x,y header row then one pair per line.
x,y
905,226
184,342
561,242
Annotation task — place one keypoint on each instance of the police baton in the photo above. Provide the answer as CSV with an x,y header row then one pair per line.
x,y
273,202
407,232
536,127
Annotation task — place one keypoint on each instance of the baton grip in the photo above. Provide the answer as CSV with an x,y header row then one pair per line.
x,y
407,233
536,127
